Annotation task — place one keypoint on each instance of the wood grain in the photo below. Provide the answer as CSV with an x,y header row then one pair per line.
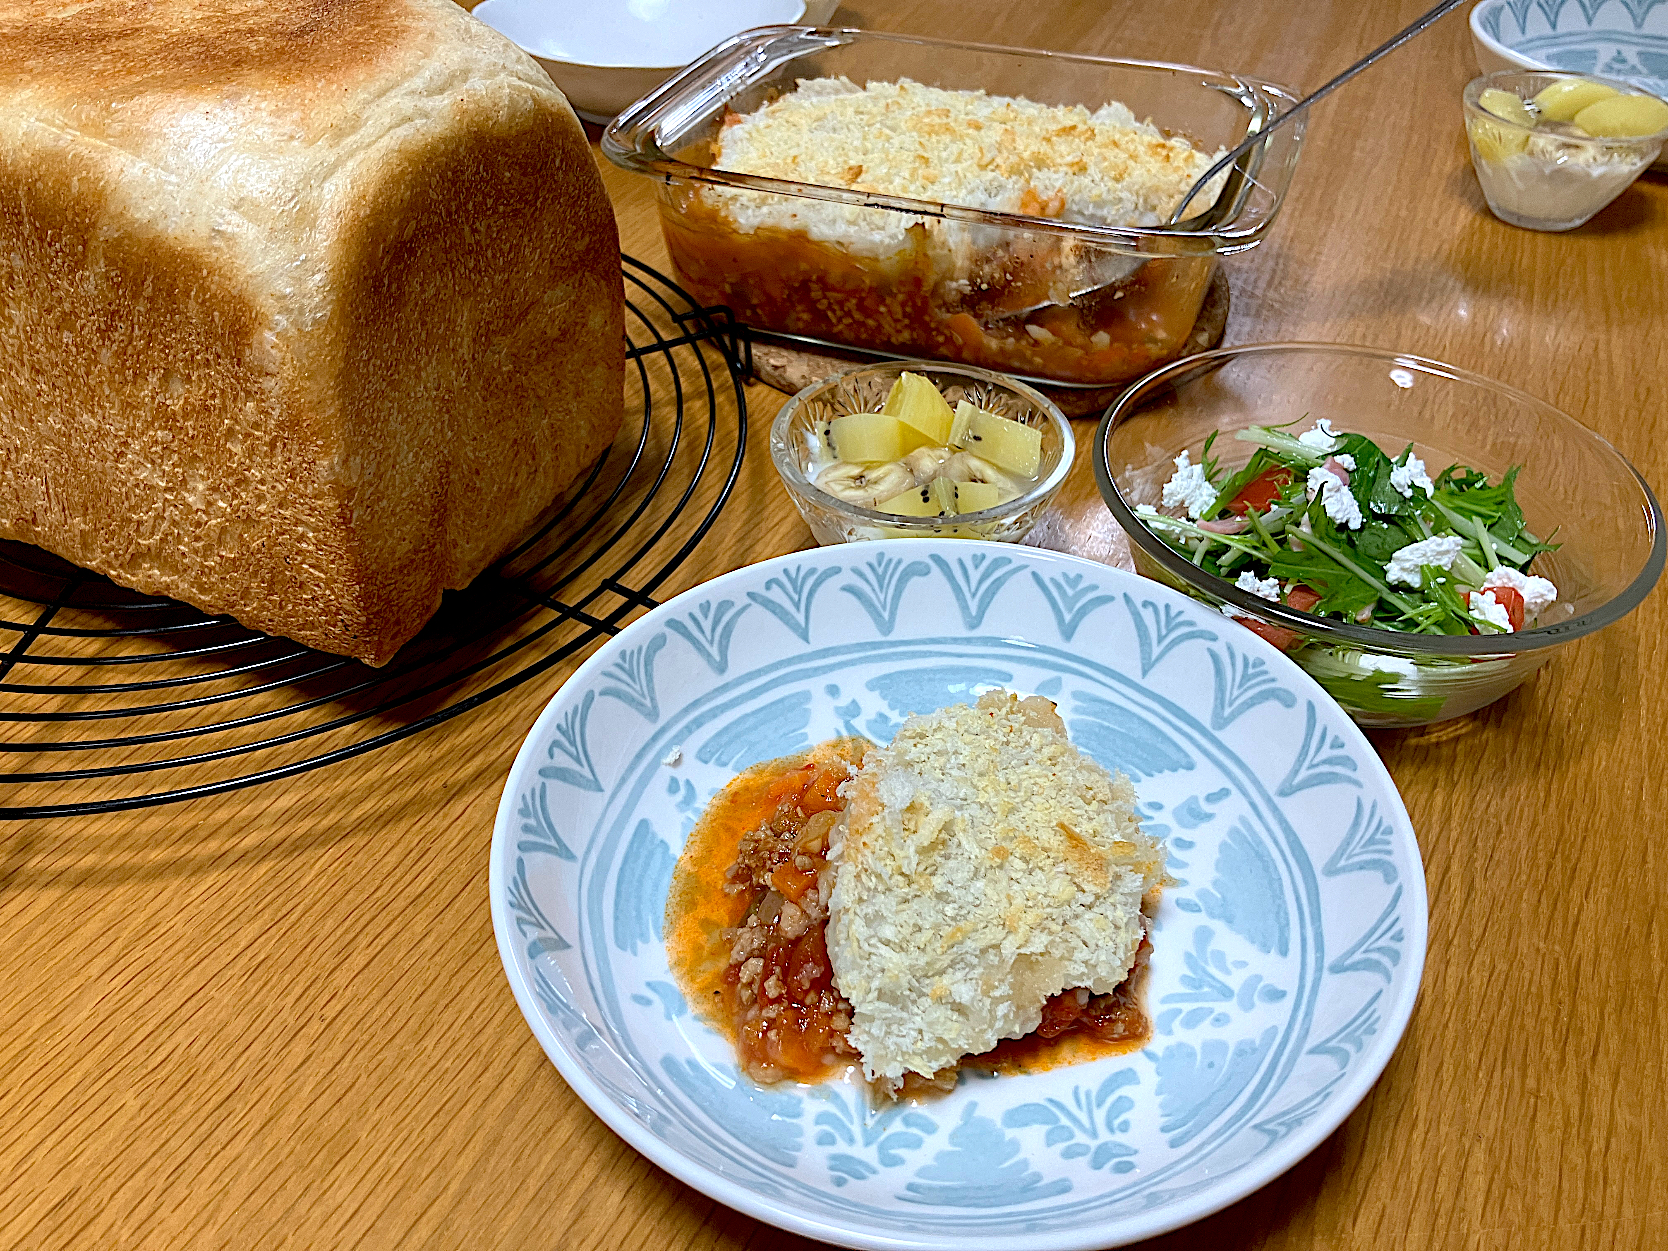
x,y
277,1018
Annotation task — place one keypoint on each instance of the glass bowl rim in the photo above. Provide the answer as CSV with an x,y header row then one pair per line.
x,y
1359,637
793,477
1475,87
623,142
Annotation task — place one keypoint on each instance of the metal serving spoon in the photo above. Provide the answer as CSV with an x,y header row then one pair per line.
x,y
1241,164
1233,188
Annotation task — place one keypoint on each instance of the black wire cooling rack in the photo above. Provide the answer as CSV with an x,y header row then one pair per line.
x,y
110,699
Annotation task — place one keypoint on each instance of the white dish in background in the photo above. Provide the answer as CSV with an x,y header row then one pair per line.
x,y
606,56
1626,39
1286,955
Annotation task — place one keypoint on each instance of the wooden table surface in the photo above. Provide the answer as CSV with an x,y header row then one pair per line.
x,y
277,1018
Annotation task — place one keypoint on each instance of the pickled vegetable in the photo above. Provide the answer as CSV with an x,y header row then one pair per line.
x,y
1624,117
1562,100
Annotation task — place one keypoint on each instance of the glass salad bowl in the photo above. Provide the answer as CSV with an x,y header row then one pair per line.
x,y
1574,489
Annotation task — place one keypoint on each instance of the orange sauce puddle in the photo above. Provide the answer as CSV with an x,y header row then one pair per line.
x,y
698,910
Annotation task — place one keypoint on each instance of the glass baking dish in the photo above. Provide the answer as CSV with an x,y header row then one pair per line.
x,y
1060,301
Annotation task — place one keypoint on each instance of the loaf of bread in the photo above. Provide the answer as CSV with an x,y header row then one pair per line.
x,y
984,865
308,308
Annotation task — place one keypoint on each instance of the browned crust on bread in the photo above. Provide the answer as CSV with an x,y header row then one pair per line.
x,y
331,364
119,48
138,437
461,410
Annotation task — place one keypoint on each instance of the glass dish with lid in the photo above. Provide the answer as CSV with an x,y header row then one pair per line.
x,y
1045,294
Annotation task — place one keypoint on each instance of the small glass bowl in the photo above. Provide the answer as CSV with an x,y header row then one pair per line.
x,y
1545,180
1573,488
864,390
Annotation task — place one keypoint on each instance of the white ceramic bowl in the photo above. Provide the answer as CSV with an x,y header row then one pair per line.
x,y
605,56
1625,39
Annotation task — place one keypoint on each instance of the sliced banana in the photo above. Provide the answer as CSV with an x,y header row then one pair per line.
x,y
865,485
966,467
926,463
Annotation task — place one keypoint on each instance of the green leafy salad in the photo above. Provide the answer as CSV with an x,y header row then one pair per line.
x,y
1328,523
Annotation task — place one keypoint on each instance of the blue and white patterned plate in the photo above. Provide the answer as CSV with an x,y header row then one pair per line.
x,y
1285,958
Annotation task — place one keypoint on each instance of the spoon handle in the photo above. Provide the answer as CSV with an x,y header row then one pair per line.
x,y
1230,192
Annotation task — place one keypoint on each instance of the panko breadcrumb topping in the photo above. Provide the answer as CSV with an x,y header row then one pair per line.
x,y
954,147
983,865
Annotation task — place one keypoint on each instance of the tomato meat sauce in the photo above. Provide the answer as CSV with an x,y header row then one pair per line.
x,y
747,916
789,282
746,934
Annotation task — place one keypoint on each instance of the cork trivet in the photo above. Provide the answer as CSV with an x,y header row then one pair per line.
x,y
792,369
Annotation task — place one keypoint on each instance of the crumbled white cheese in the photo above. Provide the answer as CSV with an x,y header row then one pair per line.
x,y
1389,664
1323,438
1538,593
1485,607
1189,488
1335,498
1146,510
1346,460
1411,473
1268,588
1403,569
673,758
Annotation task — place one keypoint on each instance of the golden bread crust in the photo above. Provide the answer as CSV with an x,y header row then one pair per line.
x,y
118,49
310,309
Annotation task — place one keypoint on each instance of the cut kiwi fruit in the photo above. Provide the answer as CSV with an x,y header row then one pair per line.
x,y
1624,117
914,401
974,497
870,438
1562,100
935,499
1005,443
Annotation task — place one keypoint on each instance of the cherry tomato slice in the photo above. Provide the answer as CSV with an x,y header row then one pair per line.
x,y
1511,599
1261,491
1302,598
1281,637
